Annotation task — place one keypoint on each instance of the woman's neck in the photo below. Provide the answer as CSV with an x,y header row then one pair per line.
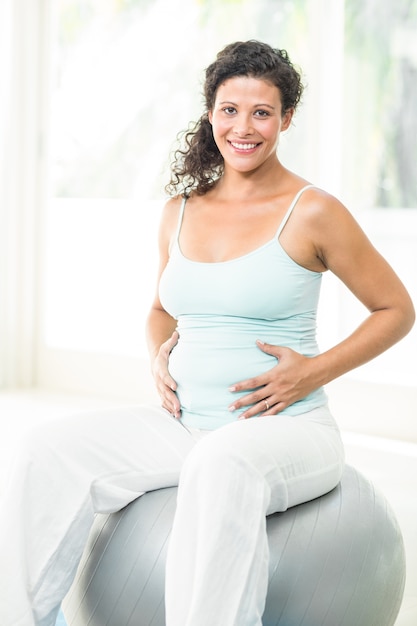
x,y
252,184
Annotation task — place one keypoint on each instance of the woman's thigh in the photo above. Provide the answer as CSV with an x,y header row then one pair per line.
x,y
117,454
301,457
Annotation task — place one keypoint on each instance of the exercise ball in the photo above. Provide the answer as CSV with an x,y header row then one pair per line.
x,y
337,560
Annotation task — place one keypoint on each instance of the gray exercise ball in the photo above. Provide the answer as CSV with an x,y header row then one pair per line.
x,y
337,560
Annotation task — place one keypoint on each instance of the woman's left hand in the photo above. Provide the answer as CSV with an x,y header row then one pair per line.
x,y
273,391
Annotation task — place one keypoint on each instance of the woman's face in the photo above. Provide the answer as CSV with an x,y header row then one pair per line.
x,y
247,121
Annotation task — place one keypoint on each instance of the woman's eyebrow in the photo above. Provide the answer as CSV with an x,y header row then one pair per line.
x,y
261,104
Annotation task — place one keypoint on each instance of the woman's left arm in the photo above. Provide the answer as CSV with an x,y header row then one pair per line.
x,y
347,252
342,247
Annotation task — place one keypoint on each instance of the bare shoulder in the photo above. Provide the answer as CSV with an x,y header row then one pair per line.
x,y
322,207
332,227
169,219
345,249
171,209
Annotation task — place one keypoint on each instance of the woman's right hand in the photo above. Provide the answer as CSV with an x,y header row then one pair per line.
x,y
165,384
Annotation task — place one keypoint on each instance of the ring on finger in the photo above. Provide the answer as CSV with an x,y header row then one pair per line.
x,y
266,405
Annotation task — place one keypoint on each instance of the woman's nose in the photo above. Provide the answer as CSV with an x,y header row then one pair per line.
x,y
242,126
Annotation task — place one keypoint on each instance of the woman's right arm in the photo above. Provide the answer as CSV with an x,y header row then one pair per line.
x,y
161,332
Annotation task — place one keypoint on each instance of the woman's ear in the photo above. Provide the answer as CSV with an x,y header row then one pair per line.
x,y
286,119
210,117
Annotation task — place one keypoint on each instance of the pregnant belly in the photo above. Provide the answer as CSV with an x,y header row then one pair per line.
x,y
205,364
215,352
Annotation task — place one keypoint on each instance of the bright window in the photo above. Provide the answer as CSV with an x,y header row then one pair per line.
x,y
126,78
380,103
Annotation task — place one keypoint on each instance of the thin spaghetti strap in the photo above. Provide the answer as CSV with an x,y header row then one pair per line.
x,y
175,241
290,210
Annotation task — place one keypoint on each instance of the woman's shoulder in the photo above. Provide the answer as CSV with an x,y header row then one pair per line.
x,y
331,226
321,206
171,209
323,217
169,219
173,203
309,195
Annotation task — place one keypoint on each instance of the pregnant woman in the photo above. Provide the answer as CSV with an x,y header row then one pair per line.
x,y
244,428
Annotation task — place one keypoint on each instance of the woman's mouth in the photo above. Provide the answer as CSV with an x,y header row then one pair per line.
x,y
243,147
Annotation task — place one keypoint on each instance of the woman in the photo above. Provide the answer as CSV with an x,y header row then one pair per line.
x,y
244,428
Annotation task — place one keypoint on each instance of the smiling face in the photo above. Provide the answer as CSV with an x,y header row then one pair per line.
x,y
247,120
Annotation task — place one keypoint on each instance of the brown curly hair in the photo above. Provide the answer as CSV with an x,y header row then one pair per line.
x,y
198,164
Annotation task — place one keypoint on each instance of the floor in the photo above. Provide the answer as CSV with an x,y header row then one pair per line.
x,y
391,465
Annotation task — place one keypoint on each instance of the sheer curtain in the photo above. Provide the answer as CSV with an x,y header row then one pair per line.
x,y
22,36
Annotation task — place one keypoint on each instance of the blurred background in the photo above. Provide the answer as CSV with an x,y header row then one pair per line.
x,y
92,96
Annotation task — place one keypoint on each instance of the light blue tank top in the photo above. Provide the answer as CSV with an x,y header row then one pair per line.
x,y
222,309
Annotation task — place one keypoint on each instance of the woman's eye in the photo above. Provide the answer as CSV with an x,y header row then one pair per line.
x,y
261,113
229,110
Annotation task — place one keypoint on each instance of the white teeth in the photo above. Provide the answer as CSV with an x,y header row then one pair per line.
x,y
243,146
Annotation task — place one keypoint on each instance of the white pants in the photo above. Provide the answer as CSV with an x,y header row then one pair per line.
x,y
217,567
